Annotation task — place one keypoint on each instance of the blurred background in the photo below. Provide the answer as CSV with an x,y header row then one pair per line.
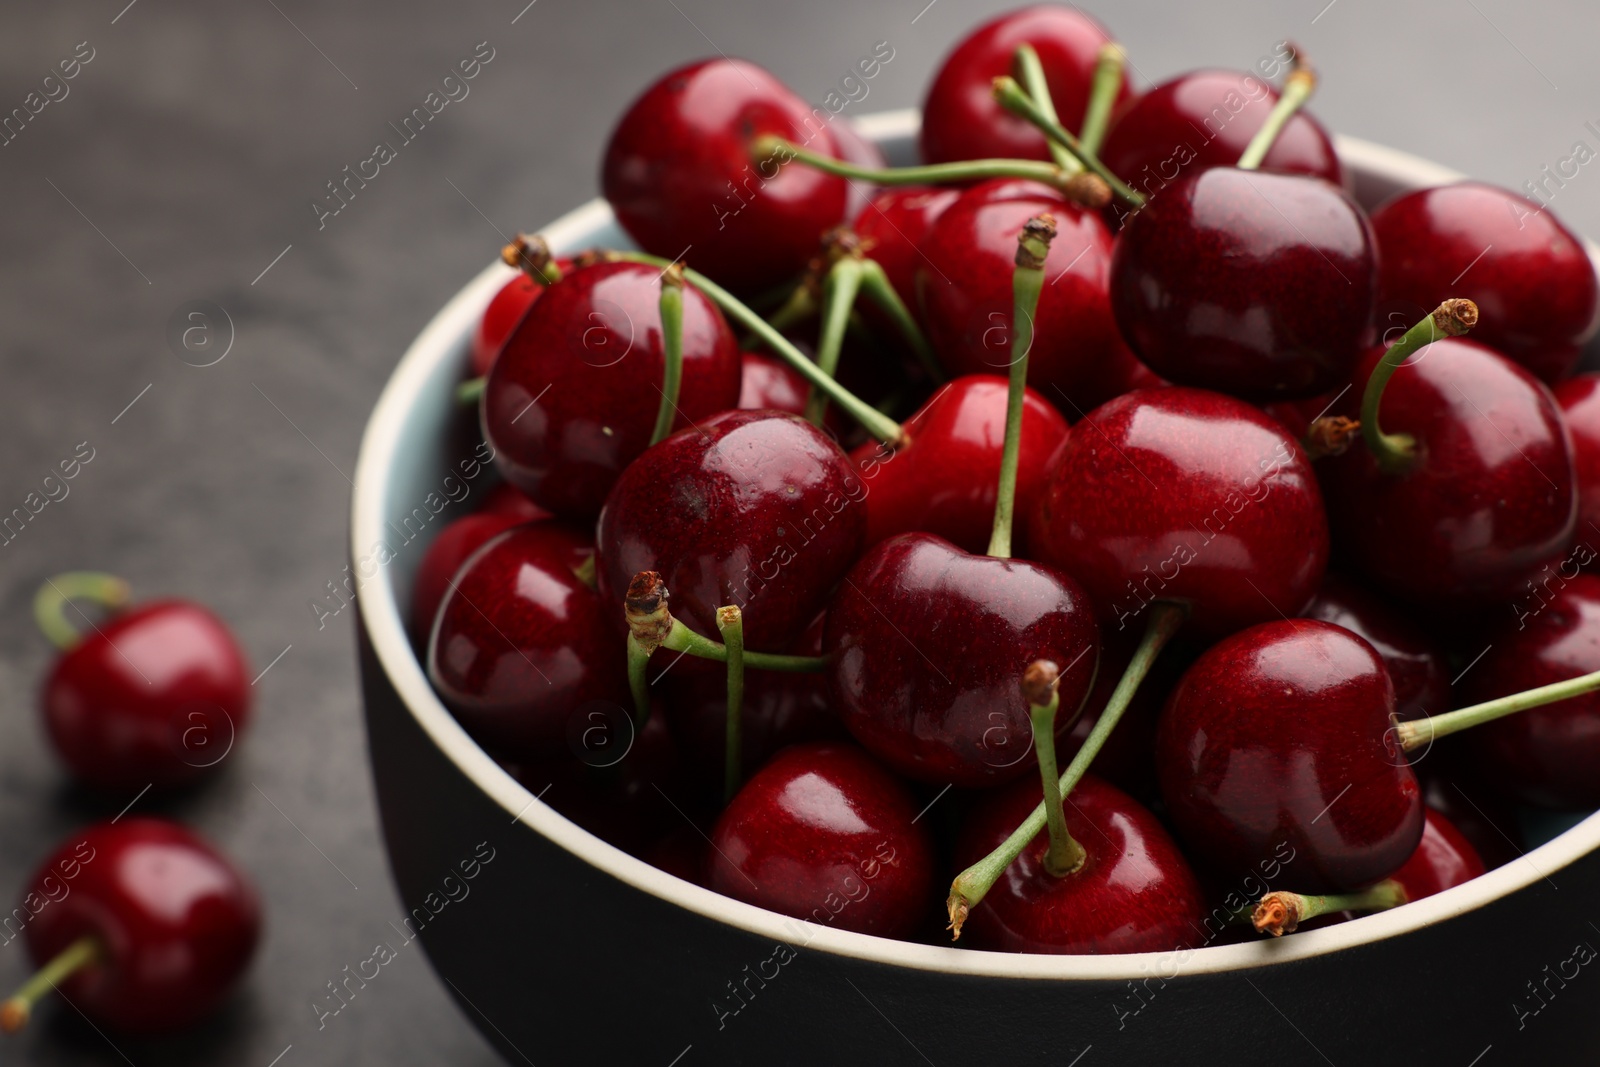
x,y
182,166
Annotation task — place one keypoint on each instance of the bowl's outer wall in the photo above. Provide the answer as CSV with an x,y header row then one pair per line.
x,y
559,962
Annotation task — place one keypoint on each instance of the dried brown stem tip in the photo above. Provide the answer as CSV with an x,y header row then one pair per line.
x,y
646,609
1039,682
1300,68
13,1016
958,910
529,254
1276,914
839,242
1455,317
672,276
1087,190
1331,435
1033,243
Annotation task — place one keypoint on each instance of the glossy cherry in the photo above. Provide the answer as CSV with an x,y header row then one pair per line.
x,y
893,226
960,118
926,644
1281,735
822,833
172,923
156,694
1443,859
1453,787
1490,496
755,508
1415,662
572,399
458,541
506,308
680,175
1531,278
521,648
1184,495
1579,400
767,382
1134,893
1258,285
507,499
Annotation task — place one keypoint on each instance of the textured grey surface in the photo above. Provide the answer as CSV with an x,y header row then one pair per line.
x,y
185,158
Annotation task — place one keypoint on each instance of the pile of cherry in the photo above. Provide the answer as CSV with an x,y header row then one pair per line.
x,y
1158,371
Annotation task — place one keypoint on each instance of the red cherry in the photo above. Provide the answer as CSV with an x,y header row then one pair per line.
x,y
768,382
822,833
680,175
893,226
1259,285
455,545
960,118
944,481
964,282
1121,372
521,649
505,310
1490,496
1530,277
1280,736
507,499
926,645
1134,893
1444,858
1482,814
1415,664
572,399
1579,400
166,923
156,694
1184,495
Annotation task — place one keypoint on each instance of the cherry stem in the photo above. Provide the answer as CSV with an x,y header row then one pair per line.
x,y
1030,72
1040,686
1033,245
800,306
638,681
471,390
1103,88
1419,733
839,289
651,626
1014,100
875,286
874,421
1330,435
963,172
671,350
15,1012
584,571
972,884
50,602
529,254
1281,913
730,624
1298,85
1395,452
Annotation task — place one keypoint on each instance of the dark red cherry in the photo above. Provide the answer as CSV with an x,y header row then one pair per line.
x,y
572,399
1281,734
893,226
1579,401
154,695
1121,372
1134,893
174,923
960,118
1185,495
1415,663
1532,280
507,499
1452,787
1258,285
823,833
520,647
458,541
755,508
768,382
1444,858
1205,119
680,175
964,286
927,646
505,310
944,481
1491,496
1545,756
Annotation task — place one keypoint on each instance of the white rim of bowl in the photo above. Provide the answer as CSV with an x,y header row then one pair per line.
x,y
380,614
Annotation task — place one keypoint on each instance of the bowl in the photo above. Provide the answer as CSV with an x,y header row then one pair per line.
x,y
564,949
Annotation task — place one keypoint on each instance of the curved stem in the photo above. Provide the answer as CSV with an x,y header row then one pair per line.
x,y
1014,100
471,390
671,351
875,287
638,683
1418,733
839,291
651,626
799,307
1394,452
1040,686
970,170
1298,85
1033,245
875,422
50,602
730,623
973,883
1103,89
1280,913
1030,72
14,1013
683,639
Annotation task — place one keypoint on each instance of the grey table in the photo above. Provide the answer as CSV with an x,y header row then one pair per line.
x,y
183,164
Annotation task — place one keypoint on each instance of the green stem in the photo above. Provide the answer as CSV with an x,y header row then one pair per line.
x,y
973,883
14,1013
1418,733
1280,913
50,602
682,639
971,170
1394,452
799,307
584,571
638,682
730,623
1033,245
875,422
1040,686
671,351
1030,72
471,390
1103,90
1298,86
1014,100
839,291
875,287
